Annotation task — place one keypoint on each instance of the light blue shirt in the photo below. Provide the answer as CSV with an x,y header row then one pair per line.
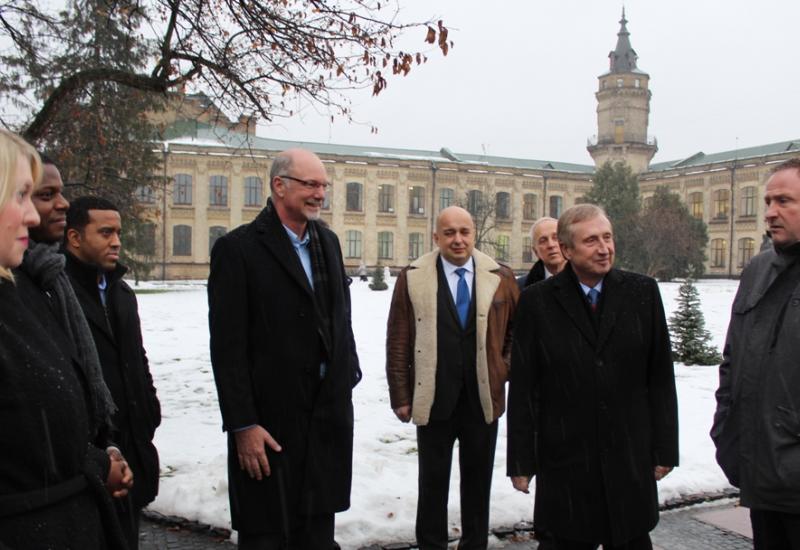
x,y
301,247
452,277
102,285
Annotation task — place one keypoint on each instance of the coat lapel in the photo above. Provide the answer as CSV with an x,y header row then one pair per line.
x,y
571,301
612,300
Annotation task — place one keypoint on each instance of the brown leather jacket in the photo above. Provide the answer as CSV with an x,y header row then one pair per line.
x,y
411,335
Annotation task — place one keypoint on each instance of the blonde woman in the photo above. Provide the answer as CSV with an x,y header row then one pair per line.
x,y
51,490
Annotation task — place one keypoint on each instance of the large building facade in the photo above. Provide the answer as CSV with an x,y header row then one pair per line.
x,y
383,202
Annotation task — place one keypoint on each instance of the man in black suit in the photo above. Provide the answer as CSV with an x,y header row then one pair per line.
x,y
92,247
592,403
285,364
544,244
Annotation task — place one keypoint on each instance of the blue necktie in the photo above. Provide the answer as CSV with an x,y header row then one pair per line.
x,y
594,297
462,297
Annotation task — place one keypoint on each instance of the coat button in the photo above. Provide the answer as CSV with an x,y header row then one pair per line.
x,y
598,363
795,302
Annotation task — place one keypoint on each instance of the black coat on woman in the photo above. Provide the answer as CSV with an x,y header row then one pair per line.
x,y
117,334
592,405
51,480
268,339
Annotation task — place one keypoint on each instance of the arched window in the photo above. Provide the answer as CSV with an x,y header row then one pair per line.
x,y
182,189
386,198
214,233
446,197
253,191
718,252
474,202
696,204
353,244
529,206
182,240
385,245
556,206
502,207
218,191
721,204
416,200
354,197
747,247
415,245
749,201
501,248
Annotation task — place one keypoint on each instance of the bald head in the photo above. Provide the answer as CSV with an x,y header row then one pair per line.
x,y
455,235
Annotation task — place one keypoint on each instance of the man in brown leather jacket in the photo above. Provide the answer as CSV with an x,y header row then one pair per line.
x,y
447,357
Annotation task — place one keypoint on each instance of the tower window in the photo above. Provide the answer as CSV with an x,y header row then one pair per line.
x,y
620,82
637,83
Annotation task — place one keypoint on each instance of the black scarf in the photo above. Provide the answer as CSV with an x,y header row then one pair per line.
x,y
319,273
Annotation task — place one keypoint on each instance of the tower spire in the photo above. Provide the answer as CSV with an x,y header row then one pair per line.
x,y
623,58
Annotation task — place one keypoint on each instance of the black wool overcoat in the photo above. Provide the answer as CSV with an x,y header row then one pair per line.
x,y
117,333
592,405
266,348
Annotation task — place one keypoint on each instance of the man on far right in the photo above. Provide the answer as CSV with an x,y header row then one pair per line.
x,y
757,423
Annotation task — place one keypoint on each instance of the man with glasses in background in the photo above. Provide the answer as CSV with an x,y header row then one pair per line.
x,y
285,364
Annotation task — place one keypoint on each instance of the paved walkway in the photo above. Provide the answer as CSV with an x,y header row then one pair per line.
x,y
703,527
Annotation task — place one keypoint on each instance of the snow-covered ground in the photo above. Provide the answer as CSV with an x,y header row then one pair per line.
x,y
192,445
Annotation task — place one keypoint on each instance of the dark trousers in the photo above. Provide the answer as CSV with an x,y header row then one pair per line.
x,y
128,514
554,543
775,530
315,533
476,443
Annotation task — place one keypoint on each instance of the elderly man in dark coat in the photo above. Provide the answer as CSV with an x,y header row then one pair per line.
x,y
544,244
285,364
592,403
757,423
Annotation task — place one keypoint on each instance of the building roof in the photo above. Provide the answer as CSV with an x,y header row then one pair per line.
x,y
201,134
700,158
623,57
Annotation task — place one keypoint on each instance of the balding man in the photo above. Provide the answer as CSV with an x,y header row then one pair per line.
x,y
447,358
285,364
544,244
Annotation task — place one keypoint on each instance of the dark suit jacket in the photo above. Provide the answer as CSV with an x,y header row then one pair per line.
x,y
266,350
592,405
535,275
117,334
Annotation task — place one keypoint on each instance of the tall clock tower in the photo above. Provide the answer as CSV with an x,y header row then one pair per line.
x,y
623,109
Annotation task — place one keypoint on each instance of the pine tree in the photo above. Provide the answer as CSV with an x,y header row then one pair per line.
x,y
690,339
377,280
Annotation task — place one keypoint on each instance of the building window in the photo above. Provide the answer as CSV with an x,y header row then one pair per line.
x,y
182,240
502,207
182,189
474,200
527,253
386,198
415,244
696,204
214,233
446,197
501,248
354,197
385,246
416,200
144,194
326,202
556,206
749,201
721,204
353,244
218,191
747,247
146,239
718,251
253,191
529,206
637,83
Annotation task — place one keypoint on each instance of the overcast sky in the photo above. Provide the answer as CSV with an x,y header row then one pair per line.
x,y
521,79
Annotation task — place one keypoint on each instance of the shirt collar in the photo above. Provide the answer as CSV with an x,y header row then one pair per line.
x,y
449,268
296,241
586,289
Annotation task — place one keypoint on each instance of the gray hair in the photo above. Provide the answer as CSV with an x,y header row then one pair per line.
x,y
539,222
576,214
281,164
